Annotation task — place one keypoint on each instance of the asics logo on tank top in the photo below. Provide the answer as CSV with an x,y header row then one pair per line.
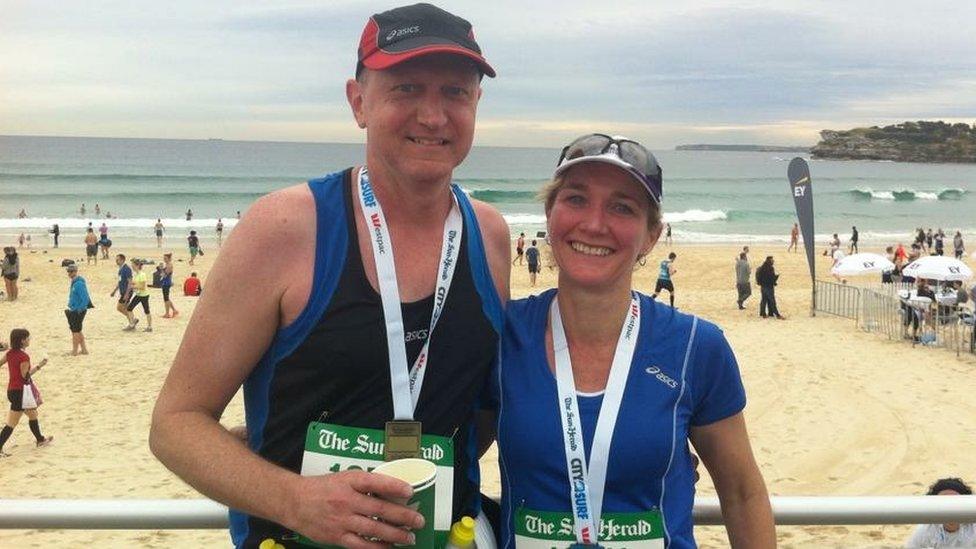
x,y
661,376
416,335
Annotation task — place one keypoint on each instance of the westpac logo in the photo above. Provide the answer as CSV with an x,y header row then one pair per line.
x,y
661,376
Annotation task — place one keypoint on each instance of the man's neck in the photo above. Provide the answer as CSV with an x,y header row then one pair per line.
x,y
418,203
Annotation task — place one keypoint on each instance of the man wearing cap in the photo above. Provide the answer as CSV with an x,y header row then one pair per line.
x,y
78,304
370,331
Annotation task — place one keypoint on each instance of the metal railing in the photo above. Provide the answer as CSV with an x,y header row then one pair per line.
x,y
199,514
838,299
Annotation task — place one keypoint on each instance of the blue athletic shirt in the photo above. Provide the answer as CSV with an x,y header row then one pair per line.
x,y
665,273
125,275
671,387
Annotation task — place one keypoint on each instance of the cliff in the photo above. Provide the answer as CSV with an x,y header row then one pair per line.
x,y
759,148
920,141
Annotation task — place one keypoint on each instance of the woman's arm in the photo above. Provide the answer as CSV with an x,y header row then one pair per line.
x,y
37,368
725,450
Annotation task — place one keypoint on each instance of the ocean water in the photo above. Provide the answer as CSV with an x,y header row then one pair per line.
x,y
710,196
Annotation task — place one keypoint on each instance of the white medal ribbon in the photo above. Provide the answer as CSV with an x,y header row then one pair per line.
x,y
587,482
406,383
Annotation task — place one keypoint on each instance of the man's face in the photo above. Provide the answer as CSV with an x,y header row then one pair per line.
x,y
419,116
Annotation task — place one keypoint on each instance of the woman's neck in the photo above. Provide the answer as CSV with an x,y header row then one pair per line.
x,y
593,316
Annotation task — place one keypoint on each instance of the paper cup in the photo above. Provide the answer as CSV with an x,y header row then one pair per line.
x,y
419,474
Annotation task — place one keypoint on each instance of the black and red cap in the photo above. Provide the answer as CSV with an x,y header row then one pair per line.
x,y
408,32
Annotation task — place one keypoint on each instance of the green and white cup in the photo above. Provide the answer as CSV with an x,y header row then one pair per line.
x,y
420,474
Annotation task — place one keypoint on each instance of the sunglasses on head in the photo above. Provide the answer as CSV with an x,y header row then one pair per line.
x,y
638,159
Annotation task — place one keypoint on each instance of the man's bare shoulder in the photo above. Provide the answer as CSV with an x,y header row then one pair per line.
x,y
494,228
279,226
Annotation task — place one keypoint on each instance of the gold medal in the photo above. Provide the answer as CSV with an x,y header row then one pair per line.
x,y
402,440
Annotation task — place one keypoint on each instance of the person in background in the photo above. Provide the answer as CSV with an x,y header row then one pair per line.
x,y
191,286
949,534
79,301
766,279
193,242
939,242
21,240
98,209
10,270
166,282
854,238
103,229
519,248
220,232
189,214
56,232
122,286
139,287
794,238
20,369
958,247
91,246
532,259
158,228
664,281
667,235
743,277
105,244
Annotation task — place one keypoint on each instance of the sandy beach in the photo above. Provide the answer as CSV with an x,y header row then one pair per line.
x,y
832,411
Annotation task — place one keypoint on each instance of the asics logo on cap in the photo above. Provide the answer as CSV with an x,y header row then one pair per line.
x,y
399,33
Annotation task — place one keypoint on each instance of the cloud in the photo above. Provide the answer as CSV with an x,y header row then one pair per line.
x,y
668,71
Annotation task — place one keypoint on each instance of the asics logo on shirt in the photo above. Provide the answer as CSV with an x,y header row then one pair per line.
x,y
416,335
661,376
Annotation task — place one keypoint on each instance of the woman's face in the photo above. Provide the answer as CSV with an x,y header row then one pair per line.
x,y
598,225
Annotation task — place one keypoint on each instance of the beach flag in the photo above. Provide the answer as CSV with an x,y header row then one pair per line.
x,y
802,189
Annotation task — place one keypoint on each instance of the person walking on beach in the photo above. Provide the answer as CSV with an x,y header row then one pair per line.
x,y
56,232
10,270
105,245
19,367
794,238
958,247
193,242
103,229
122,286
766,279
159,233
166,282
667,235
949,534
519,248
290,342
743,276
139,287
664,281
853,249
91,247
220,232
939,242
79,301
532,259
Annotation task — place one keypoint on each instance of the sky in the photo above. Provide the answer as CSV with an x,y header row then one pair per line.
x,y
663,72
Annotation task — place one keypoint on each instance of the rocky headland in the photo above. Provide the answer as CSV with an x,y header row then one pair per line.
x,y
920,141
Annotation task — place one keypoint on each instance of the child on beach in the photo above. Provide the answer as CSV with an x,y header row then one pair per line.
x,y
19,366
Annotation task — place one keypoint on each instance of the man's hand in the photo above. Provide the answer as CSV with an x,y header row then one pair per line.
x,y
343,508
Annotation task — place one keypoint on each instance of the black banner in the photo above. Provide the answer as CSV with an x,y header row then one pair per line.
x,y
802,189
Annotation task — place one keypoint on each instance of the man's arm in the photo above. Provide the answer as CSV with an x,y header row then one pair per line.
x,y
724,448
261,281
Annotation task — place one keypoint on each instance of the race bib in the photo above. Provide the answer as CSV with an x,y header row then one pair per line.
x,y
331,448
554,530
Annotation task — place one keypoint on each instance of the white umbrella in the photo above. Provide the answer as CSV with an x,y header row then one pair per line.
x,y
938,267
862,264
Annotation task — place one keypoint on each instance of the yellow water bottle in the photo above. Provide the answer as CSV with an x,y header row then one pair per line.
x,y
462,534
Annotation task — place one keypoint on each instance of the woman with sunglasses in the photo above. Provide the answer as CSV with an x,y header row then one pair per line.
x,y
600,387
